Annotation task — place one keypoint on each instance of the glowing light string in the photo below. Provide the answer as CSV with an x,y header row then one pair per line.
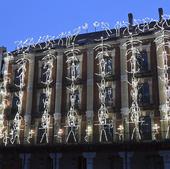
x,y
47,62
16,125
163,44
134,109
72,115
5,96
103,114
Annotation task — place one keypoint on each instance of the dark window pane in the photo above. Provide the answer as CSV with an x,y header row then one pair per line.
x,y
41,102
16,78
43,74
108,66
15,102
142,61
143,94
109,96
145,127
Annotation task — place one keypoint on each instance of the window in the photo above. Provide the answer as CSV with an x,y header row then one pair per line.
x,y
15,102
109,96
142,61
74,70
41,102
143,94
108,66
16,77
75,98
145,128
43,74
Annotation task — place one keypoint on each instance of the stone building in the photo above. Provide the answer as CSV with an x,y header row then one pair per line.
x,y
96,102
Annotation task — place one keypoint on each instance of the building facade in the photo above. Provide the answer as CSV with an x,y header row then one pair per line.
x,y
97,101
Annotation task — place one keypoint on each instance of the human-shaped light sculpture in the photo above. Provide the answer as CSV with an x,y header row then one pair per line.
x,y
163,44
134,109
16,125
72,115
103,114
47,63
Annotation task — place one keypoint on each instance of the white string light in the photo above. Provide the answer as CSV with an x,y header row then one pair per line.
x,y
47,63
72,116
103,114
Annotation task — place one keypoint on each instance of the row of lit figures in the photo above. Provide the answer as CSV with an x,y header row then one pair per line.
x,y
72,116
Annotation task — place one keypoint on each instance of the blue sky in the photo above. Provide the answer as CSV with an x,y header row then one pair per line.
x,y
21,19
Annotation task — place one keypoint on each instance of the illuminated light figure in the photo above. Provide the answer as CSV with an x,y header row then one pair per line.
x,y
4,94
48,61
134,109
72,120
103,114
15,132
21,70
163,45
103,118
45,122
72,116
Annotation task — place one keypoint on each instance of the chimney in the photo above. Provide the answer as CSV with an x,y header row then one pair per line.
x,y
130,19
160,10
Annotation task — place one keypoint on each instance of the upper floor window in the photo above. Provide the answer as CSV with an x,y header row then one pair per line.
x,y
17,73
74,70
108,65
109,96
144,94
15,102
142,61
75,99
42,99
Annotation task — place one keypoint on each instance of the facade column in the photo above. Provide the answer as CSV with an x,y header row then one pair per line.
x,y
25,160
90,90
124,93
126,156
166,158
89,159
162,94
58,96
27,116
56,160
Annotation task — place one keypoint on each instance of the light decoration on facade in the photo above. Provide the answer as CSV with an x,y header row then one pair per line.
x,y
164,45
5,96
47,65
16,124
133,52
103,114
72,115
